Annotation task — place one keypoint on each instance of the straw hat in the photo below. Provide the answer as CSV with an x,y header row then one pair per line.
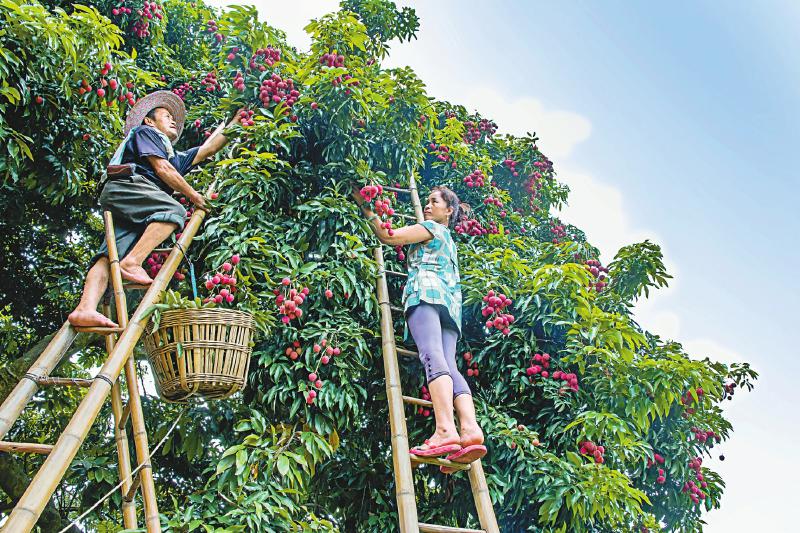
x,y
167,99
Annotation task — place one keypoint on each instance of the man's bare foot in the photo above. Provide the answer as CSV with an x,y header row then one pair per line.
x,y
471,435
90,318
133,272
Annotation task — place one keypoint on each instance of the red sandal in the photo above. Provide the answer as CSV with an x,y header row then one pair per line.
x,y
438,451
464,456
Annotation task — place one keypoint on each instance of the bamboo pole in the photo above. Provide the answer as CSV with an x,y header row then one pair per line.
x,y
432,528
121,439
412,185
145,475
483,502
25,447
19,397
404,481
63,382
30,506
123,452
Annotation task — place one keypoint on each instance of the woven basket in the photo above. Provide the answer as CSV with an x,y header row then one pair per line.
x,y
214,352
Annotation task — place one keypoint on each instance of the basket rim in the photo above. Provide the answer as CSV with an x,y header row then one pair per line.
x,y
247,316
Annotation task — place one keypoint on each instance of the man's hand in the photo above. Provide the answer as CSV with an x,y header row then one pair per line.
x,y
357,195
237,118
198,200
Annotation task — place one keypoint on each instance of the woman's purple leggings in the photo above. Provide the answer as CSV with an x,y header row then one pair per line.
x,y
436,346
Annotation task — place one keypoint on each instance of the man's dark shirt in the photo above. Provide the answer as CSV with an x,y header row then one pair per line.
x,y
144,142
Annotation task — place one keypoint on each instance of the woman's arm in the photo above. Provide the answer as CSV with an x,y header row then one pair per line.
x,y
401,236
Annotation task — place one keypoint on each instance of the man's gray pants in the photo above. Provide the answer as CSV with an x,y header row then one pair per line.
x,y
135,202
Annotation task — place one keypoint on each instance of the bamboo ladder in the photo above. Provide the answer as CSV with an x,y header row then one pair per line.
x,y
402,459
120,343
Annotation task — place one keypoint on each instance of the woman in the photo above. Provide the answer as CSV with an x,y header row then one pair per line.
x,y
432,303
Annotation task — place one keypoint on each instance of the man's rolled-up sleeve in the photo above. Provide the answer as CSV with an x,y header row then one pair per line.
x,y
146,142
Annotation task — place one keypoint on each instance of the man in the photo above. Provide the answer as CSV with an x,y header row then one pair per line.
x,y
144,211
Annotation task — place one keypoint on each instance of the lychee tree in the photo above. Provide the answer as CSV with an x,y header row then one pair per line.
x,y
593,423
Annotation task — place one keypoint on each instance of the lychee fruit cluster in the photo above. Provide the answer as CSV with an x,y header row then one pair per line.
x,y
690,487
289,300
265,57
183,89
331,60
473,131
592,449
211,27
441,152
425,395
658,459
293,351
598,271
316,383
401,256
475,179
222,284
238,82
542,367
275,89
329,353
491,200
472,367
512,166
210,81
729,389
382,204
558,231
121,9
496,303
569,379
471,227
247,117
704,436
150,10
155,262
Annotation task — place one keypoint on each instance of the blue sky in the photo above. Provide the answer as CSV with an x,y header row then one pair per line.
x,y
676,122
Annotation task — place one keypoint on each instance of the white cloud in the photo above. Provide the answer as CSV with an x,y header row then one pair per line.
x,y
289,18
558,130
702,348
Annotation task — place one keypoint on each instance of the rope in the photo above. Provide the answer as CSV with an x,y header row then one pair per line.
x,y
129,476
188,259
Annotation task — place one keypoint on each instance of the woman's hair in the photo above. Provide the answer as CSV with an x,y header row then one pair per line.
x,y
461,211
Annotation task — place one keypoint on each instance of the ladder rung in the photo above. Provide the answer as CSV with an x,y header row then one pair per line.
x,y
98,330
407,217
406,353
161,251
394,273
25,447
135,287
417,401
433,528
396,189
396,309
44,381
131,494
439,462
126,413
